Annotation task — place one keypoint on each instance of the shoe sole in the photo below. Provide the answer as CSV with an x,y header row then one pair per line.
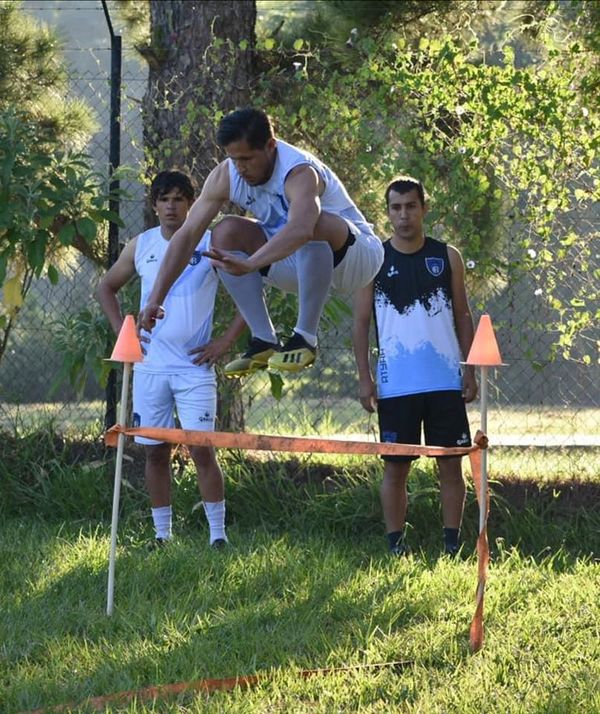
x,y
255,365
242,372
279,365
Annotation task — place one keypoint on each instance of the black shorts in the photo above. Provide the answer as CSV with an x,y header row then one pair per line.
x,y
442,415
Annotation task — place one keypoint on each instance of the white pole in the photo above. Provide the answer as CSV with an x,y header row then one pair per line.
x,y
117,489
483,415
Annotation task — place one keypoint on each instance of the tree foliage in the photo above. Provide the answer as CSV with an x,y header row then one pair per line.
x,y
49,197
507,152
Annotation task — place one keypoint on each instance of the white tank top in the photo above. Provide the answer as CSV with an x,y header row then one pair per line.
x,y
268,202
189,305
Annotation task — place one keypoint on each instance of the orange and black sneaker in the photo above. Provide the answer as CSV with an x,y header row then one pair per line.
x,y
294,356
254,358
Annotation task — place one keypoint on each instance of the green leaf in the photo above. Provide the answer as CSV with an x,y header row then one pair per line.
x,y
276,385
86,228
67,233
52,274
299,44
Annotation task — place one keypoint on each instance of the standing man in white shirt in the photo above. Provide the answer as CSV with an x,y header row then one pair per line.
x,y
177,371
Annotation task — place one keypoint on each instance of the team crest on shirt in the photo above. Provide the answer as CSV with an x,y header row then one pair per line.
x,y
196,257
435,266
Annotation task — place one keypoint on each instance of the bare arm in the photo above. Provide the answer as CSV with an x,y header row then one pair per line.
x,y
183,242
302,192
463,320
362,308
113,280
213,350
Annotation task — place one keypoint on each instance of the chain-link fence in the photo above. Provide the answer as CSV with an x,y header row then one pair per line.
x,y
537,401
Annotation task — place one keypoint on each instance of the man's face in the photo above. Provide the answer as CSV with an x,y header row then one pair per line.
x,y
172,208
255,166
406,214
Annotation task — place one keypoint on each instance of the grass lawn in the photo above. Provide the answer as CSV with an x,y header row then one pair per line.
x,y
305,584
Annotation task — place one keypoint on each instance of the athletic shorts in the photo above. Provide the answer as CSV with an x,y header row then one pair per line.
x,y
156,397
442,416
360,263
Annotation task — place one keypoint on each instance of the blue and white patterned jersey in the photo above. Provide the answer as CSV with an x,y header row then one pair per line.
x,y
268,202
416,335
189,305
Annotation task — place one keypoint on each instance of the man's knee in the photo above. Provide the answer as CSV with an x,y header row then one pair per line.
x,y
237,233
204,457
158,455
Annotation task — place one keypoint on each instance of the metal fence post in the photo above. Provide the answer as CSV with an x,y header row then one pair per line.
x,y
114,186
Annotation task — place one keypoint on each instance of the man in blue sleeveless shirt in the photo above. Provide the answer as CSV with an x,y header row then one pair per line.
x,y
307,237
424,330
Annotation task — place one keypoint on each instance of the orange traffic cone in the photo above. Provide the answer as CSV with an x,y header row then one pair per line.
x,y
484,351
127,347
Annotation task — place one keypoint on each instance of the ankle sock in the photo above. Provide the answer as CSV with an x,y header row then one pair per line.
x,y
451,538
163,519
395,538
215,515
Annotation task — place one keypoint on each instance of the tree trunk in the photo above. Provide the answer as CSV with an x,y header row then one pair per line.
x,y
201,66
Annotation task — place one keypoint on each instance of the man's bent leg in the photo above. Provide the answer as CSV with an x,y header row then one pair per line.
x,y
243,236
314,272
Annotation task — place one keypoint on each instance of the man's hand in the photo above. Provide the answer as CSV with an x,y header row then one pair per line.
x,y
367,393
232,264
148,317
469,390
211,352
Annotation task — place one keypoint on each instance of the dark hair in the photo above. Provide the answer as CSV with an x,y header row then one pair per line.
x,y
166,181
250,124
405,184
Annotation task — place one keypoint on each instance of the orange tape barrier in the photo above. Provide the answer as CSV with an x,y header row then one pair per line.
x,y
263,442
206,686
298,444
483,557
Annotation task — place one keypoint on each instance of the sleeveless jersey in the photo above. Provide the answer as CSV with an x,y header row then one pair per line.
x,y
268,202
189,305
418,347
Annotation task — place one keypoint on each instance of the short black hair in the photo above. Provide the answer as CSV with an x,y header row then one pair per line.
x,y
250,124
405,184
166,181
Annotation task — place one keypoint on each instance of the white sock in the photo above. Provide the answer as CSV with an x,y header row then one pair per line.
x,y
314,266
215,515
248,294
163,518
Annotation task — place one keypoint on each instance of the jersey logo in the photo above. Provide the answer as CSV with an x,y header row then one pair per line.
x,y
392,271
151,259
250,201
435,266
196,257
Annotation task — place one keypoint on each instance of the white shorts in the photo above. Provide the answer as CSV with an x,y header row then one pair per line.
x,y
157,396
357,268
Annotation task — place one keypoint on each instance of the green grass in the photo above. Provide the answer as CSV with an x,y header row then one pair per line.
x,y
278,603
306,583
